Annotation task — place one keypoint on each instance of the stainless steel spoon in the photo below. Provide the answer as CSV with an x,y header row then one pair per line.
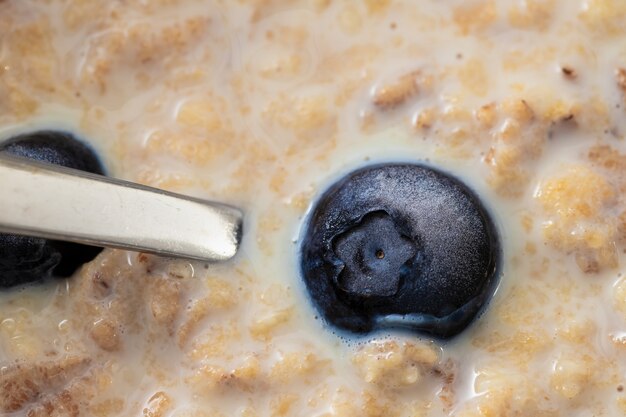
x,y
44,200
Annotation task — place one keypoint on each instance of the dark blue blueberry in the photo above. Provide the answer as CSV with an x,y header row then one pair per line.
x,y
400,246
53,147
27,259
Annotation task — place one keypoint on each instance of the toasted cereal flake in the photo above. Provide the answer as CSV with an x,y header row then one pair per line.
x,y
165,303
221,296
289,65
527,222
517,143
519,347
300,201
281,405
508,176
108,407
249,412
424,119
298,365
22,383
377,6
203,114
207,379
620,75
518,110
269,224
571,374
106,335
263,327
308,115
506,393
475,16
392,94
140,47
455,113
576,203
579,332
20,103
604,16
248,373
214,341
373,405
276,295
393,364
350,19
473,77
158,405
613,163
608,158
78,12
531,14
191,148
487,115
245,378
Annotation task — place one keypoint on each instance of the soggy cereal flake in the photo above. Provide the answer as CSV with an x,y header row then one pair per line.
x,y
350,19
263,327
532,14
106,336
604,15
23,383
158,405
165,303
473,76
393,364
576,203
107,407
504,393
572,374
309,116
298,366
283,404
620,75
475,15
221,296
392,94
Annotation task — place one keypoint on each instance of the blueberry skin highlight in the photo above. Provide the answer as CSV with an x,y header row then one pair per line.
x,y
58,148
399,246
29,259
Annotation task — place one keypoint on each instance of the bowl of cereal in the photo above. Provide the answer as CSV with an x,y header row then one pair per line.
x,y
433,197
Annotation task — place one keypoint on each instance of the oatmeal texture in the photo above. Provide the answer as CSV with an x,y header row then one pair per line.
x,y
262,104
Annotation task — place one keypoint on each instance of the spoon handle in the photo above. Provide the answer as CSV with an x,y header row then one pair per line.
x,y
49,201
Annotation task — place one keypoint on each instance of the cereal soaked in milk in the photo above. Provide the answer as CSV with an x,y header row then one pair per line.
x,y
263,104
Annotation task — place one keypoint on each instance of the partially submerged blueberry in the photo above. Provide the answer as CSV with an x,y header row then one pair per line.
x,y
27,259
374,254
399,246
53,147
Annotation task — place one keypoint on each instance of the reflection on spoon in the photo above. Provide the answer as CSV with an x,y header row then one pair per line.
x,y
49,201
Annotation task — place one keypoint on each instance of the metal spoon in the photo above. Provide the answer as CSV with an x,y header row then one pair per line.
x,y
49,201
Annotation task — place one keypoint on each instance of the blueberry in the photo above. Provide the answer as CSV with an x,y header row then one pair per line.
x,y
57,148
399,246
27,259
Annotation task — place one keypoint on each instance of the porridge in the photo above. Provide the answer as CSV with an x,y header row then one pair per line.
x,y
263,104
